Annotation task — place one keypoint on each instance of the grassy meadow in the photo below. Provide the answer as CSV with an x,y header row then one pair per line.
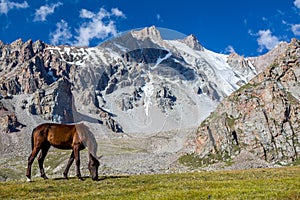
x,y
276,183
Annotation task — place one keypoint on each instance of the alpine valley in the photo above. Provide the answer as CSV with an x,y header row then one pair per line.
x,y
155,105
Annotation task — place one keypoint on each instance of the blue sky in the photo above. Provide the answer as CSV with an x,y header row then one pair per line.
x,y
247,27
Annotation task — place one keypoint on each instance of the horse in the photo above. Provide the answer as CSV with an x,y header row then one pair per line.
x,y
63,136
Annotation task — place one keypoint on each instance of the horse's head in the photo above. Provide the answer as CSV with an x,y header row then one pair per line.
x,y
93,167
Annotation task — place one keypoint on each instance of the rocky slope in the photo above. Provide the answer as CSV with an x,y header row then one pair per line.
x,y
261,118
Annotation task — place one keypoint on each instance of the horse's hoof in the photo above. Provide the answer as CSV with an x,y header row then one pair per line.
x,y
45,177
28,179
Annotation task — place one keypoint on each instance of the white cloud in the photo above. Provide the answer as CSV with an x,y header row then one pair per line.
x,y
229,49
44,11
6,6
297,3
86,14
98,26
118,13
266,40
62,35
296,29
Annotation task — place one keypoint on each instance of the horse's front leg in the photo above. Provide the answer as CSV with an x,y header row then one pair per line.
x,y
70,162
77,160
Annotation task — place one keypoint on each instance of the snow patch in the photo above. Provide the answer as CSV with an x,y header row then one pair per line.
x,y
149,91
67,50
159,60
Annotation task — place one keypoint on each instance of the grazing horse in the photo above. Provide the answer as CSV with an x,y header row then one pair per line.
x,y
63,136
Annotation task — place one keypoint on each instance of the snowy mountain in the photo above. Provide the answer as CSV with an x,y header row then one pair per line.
x,y
145,83
165,84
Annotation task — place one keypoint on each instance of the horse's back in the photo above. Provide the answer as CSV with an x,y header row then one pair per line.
x,y
58,135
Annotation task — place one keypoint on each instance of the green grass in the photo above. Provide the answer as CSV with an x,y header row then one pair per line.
x,y
194,162
280,183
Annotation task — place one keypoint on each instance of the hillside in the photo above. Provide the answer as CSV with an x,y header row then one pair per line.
x,y
261,118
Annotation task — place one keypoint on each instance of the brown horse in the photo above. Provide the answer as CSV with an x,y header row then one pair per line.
x,y
62,136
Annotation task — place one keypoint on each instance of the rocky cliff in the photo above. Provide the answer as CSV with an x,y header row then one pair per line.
x,y
262,117
48,77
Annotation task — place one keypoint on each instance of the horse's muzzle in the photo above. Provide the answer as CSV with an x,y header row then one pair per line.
x,y
95,178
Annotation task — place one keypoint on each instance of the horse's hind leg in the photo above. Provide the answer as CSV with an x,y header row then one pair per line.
x,y
42,158
71,159
31,158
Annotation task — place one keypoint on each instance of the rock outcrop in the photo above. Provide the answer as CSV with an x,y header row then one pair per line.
x,y
193,42
261,62
54,102
48,74
8,120
262,117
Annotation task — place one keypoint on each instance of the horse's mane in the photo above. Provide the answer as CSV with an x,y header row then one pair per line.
x,y
87,138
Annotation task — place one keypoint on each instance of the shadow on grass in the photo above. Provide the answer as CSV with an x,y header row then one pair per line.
x,y
99,179
113,177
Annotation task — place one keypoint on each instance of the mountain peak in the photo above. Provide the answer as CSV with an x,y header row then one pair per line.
x,y
261,62
193,42
148,32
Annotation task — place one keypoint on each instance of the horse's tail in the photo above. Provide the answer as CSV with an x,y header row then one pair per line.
x,y
32,139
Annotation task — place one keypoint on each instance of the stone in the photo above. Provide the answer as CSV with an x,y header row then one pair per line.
x,y
8,120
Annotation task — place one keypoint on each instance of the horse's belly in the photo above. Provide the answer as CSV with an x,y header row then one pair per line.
x,y
62,146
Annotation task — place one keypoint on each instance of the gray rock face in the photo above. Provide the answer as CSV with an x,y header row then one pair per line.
x,y
47,74
262,117
193,42
27,67
8,120
242,66
261,62
54,102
